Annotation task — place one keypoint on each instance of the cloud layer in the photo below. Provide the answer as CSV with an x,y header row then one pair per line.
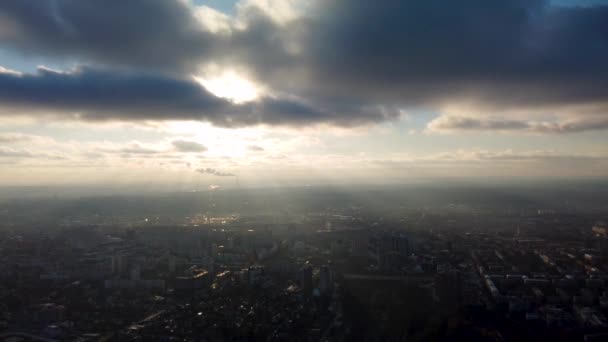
x,y
453,123
342,62
91,94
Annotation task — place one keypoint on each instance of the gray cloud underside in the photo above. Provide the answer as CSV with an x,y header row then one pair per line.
x,y
147,33
350,55
517,52
457,123
188,146
104,95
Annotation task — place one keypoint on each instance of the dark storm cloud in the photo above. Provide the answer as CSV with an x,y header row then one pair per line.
x,y
96,94
161,35
103,95
351,61
517,52
154,33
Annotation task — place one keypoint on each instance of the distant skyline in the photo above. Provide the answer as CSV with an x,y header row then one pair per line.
x,y
296,92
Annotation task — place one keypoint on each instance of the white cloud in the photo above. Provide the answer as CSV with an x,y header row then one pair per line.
x,y
4,70
213,20
281,11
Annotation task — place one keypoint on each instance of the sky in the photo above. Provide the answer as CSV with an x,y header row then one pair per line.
x,y
194,93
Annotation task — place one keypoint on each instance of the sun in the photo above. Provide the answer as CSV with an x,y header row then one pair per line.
x,y
229,85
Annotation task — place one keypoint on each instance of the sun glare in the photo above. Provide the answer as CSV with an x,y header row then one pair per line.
x,y
220,141
230,86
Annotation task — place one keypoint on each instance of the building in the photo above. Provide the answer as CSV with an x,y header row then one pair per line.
x,y
255,274
306,279
325,280
119,263
136,272
386,249
172,263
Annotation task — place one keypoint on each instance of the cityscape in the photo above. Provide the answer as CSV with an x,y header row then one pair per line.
x,y
460,264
